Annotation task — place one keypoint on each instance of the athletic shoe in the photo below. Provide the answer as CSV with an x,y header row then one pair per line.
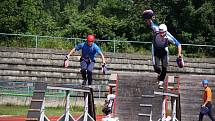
x,y
84,82
160,83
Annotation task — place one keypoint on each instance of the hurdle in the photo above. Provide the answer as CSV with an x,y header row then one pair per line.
x,y
172,90
89,108
87,94
163,114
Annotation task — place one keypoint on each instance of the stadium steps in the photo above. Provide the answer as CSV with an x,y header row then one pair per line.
x,y
50,61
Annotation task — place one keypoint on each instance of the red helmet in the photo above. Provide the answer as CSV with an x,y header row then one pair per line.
x,y
90,38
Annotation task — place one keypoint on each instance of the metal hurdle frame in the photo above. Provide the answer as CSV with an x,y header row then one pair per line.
x,y
43,117
67,115
163,114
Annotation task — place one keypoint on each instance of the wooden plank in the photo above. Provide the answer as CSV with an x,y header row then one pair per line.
x,y
69,89
34,110
166,94
31,119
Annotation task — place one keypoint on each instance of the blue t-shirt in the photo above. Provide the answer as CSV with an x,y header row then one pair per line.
x,y
88,51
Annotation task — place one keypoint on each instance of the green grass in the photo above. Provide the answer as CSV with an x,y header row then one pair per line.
x,y
20,110
9,109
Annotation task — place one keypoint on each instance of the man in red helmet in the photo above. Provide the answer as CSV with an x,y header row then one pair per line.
x,y
87,60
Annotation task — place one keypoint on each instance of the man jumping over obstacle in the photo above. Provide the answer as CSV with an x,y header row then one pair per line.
x,y
87,60
160,45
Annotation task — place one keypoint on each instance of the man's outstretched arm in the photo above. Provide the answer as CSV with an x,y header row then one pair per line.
x,y
103,58
70,53
179,50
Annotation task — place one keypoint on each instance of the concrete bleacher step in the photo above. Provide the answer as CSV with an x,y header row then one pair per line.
x,y
63,52
49,58
50,52
49,74
51,80
49,61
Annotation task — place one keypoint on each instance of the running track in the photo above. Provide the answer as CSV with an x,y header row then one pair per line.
x,y
22,118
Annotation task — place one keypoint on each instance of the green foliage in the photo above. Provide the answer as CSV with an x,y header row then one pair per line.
x,y
104,47
17,41
173,50
54,43
190,21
